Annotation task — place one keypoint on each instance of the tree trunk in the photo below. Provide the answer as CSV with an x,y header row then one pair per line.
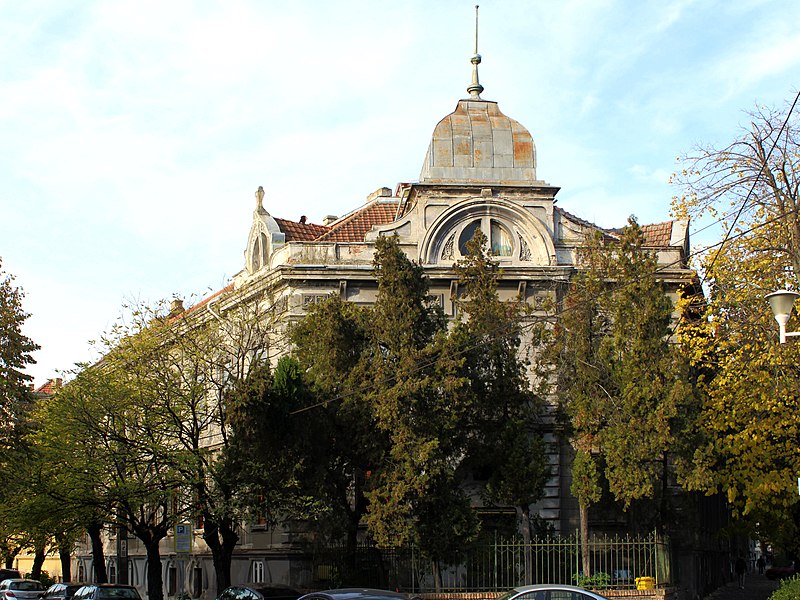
x,y
38,560
155,579
525,529
98,556
12,554
437,576
584,519
65,556
221,539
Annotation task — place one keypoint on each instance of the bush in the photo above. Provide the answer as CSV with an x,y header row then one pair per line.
x,y
789,589
597,581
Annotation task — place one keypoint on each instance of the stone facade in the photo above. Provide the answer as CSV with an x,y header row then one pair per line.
x,y
479,171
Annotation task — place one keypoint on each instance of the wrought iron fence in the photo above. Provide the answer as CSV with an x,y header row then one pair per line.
x,y
615,562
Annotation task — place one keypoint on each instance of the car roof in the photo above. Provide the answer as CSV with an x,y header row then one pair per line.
x,y
358,593
539,587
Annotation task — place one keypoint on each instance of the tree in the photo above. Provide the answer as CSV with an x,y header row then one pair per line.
x,y
15,354
420,397
332,345
625,393
198,356
136,468
504,422
749,421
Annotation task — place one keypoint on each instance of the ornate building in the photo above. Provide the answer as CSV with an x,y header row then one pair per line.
x,y
479,171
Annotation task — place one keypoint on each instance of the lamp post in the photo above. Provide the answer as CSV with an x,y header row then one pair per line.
x,y
781,303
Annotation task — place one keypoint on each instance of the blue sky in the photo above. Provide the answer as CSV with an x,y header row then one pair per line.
x,y
133,134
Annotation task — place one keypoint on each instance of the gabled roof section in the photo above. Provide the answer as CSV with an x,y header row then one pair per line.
x,y
49,388
355,226
301,232
609,235
658,234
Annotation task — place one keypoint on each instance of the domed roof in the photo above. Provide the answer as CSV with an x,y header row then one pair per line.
x,y
479,144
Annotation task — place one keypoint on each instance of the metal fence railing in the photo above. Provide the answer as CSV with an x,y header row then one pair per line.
x,y
500,564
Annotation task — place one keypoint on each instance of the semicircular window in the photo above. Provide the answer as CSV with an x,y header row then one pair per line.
x,y
466,235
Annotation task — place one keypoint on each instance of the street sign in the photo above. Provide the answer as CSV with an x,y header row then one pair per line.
x,y
183,538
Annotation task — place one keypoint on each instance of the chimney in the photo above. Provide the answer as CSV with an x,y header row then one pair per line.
x,y
176,307
382,192
329,219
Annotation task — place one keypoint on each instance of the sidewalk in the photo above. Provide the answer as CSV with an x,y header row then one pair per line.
x,y
756,587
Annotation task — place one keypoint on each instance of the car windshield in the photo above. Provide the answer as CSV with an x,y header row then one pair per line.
x,y
107,593
27,586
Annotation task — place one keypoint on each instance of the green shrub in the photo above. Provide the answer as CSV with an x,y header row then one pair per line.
x,y
597,581
789,590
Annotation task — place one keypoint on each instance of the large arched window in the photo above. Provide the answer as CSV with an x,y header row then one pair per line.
x,y
501,242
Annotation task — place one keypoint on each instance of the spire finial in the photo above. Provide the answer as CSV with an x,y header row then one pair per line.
x,y
475,88
259,199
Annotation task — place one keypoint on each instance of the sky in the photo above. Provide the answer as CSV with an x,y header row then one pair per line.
x,y
134,134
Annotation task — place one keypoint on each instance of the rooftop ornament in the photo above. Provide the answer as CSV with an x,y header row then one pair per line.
x,y
475,88
781,303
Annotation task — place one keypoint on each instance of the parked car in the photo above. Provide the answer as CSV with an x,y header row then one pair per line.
x,y
354,594
550,592
259,591
20,589
776,573
9,574
62,591
106,591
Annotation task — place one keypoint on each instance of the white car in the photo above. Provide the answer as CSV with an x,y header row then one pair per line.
x,y
20,589
550,592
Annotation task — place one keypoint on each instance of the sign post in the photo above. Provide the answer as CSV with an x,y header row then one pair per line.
x,y
183,548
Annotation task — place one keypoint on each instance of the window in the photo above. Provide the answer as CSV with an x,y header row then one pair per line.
x,y
172,580
257,571
112,572
500,238
197,582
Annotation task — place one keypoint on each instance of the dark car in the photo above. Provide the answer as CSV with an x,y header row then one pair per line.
x,y
9,574
777,573
550,592
259,591
62,591
106,591
20,589
354,594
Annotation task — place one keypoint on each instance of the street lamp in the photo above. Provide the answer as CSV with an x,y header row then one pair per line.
x,y
781,303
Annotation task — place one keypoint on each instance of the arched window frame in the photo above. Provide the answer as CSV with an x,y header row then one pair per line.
x,y
485,224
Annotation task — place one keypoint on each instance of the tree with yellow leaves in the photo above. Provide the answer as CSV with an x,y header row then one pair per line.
x,y
751,417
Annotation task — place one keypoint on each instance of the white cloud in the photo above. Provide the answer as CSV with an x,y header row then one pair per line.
x,y
135,133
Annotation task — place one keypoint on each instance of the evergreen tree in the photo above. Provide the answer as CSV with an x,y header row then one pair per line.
x,y
624,390
420,399
504,420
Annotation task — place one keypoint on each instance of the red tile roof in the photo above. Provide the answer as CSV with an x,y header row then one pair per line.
x,y
302,232
657,234
207,299
49,388
353,227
